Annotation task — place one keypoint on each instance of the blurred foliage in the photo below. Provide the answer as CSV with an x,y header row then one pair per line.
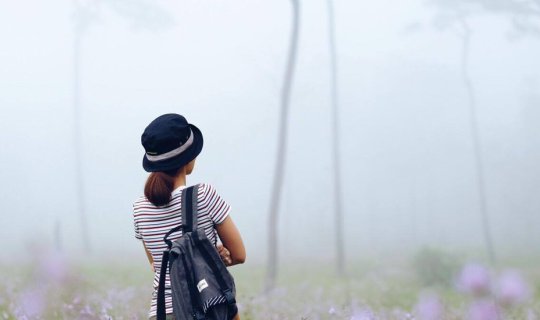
x,y
384,289
435,267
523,15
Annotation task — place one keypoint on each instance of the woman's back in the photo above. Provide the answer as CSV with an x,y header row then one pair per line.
x,y
152,223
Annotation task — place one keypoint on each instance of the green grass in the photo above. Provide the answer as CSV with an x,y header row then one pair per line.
x,y
93,289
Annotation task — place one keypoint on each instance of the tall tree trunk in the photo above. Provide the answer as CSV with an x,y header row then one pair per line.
x,y
338,214
77,141
275,199
477,145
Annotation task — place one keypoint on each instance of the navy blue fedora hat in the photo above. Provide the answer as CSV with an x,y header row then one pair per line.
x,y
170,143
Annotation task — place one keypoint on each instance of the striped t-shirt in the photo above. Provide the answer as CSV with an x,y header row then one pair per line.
x,y
152,223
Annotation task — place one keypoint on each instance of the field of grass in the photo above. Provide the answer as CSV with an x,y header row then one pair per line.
x,y
55,288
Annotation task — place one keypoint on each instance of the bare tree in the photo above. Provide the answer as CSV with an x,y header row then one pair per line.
x,y
85,12
456,13
524,15
338,214
525,18
476,139
275,200
141,13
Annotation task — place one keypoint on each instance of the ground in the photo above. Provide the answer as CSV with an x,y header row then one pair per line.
x,y
54,287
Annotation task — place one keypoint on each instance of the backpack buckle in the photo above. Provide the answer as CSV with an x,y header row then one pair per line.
x,y
229,296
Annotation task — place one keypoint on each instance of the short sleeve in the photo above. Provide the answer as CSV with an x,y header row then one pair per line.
x,y
218,209
137,232
136,226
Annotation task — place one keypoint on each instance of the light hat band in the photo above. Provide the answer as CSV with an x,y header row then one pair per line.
x,y
173,153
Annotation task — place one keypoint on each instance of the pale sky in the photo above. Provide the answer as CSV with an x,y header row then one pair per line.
x,y
407,161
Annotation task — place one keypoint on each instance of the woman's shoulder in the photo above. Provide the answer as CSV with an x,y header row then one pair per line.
x,y
141,206
203,190
212,204
207,191
204,186
140,201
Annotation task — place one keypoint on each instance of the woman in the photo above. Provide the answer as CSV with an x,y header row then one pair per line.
x,y
171,146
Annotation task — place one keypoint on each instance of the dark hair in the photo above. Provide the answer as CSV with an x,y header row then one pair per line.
x,y
159,186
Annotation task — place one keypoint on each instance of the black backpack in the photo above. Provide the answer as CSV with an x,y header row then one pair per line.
x,y
202,287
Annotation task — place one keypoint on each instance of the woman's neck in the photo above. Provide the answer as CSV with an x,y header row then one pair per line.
x,y
180,179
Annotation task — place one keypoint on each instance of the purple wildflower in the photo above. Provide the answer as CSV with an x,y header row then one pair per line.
x,y
429,307
483,310
53,266
363,314
32,303
474,279
511,288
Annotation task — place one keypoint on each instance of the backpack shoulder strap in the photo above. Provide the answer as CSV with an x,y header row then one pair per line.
x,y
161,311
195,206
188,212
190,198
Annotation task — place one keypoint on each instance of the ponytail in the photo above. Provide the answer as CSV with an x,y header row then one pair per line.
x,y
159,186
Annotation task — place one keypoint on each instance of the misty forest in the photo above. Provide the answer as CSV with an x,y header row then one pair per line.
x,y
381,158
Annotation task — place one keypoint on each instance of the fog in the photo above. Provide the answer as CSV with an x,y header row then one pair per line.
x,y
407,156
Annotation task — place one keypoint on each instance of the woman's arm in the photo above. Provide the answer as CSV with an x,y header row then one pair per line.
x,y
232,241
149,256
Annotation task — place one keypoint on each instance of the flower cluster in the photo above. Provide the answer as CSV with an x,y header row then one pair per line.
x,y
491,296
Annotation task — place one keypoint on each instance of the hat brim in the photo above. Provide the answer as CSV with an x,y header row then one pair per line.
x,y
180,160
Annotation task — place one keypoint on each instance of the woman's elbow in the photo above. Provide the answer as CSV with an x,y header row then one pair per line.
x,y
242,259
239,258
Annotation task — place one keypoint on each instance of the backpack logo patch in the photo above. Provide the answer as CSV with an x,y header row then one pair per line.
x,y
202,285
